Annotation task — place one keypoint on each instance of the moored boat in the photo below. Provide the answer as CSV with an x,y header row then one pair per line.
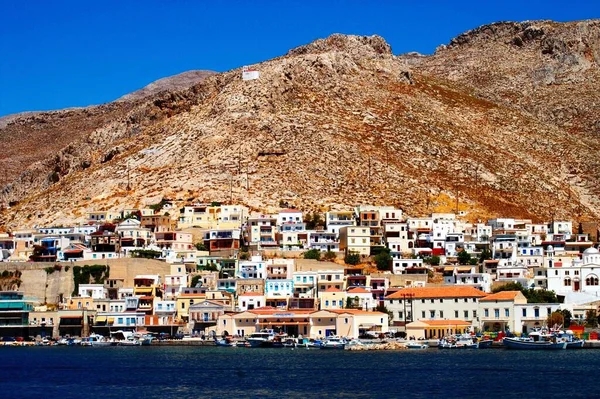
x,y
261,339
537,340
462,341
416,345
334,342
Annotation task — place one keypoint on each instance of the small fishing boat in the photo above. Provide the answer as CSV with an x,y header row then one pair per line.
x,y
462,341
416,345
334,342
223,342
537,340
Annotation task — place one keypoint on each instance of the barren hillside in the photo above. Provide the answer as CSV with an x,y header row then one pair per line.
x,y
338,122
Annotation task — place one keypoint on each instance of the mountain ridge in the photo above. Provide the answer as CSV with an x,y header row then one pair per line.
x,y
337,122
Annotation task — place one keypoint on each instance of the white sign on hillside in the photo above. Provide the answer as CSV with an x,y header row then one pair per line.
x,y
249,74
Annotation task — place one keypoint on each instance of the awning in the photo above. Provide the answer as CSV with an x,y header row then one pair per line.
x,y
71,317
100,319
111,319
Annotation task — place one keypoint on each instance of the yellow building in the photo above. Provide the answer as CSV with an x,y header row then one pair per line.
x,y
76,303
430,329
184,301
332,298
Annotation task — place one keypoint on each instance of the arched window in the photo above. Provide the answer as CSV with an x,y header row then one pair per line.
x,y
567,282
591,279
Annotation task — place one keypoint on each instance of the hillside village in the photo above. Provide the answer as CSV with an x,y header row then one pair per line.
x,y
353,272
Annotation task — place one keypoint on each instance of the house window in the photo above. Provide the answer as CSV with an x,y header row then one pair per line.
x,y
474,314
346,320
326,303
423,314
486,313
549,311
506,312
432,314
466,313
441,314
524,312
497,313
456,313
536,312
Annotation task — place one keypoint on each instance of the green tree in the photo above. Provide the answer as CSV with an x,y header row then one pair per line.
x,y
313,221
195,280
555,318
383,260
352,258
567,316
432,260
464,258
591,318
200,246
485,254
349,303
312,254
532,295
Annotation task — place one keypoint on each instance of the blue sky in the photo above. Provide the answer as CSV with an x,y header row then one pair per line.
x,y
58,54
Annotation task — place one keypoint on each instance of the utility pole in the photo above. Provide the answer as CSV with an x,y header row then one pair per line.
x,y
231,189
128,185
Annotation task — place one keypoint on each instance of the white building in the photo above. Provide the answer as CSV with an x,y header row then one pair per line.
x,y
580,277
399,266
96,291
253,268
280,288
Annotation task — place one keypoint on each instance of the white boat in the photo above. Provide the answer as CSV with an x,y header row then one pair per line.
x,y
99,340
334,342
569,337
261,339
416,345
462,341
124,338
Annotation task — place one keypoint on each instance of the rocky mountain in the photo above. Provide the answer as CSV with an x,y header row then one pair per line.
x,y
502,120
180,81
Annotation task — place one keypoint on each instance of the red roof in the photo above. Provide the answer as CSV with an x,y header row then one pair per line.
x,y
333,289
358,290
501,296
437,292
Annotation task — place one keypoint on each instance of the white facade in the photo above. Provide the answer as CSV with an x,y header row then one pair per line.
x,y
581,276
254,268
96,291
279,288
400,265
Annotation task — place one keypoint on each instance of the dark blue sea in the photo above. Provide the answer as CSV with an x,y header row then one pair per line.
x,y
200,372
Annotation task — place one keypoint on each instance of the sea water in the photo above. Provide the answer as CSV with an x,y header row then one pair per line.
x,y
217,372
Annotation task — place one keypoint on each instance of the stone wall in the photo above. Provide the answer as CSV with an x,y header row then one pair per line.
x,y
48,288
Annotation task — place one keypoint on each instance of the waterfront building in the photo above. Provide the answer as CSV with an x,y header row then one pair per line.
x,y
434,303
14,313
497,311
437,329
529,316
